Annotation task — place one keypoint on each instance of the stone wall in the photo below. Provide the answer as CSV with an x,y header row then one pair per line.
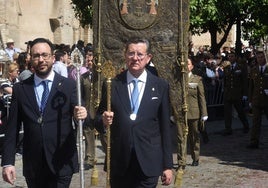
x,y
28,19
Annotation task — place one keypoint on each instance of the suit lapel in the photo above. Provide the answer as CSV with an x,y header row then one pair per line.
x,y
56,86
266,68
121,87
28,87
150,91
191,78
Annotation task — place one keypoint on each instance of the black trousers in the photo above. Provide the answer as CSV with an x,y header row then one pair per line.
x,y
134,177
49,182
46,179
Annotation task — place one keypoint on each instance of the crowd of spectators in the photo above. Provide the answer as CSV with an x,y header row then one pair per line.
x,y
210,67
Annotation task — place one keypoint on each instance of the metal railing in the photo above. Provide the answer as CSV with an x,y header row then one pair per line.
x,y
214,93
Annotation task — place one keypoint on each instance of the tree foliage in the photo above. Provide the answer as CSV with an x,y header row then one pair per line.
x,y
213,16
218,17
255,27
83,11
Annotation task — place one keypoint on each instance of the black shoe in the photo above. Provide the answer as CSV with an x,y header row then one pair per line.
x,y
227,133
253,146
195,163
88,166
245,130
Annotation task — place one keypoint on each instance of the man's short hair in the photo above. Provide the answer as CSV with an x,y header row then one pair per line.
x,y
43,40
59,54
136,40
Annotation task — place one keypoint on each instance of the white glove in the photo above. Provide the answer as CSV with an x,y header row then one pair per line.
x,y
245,98
172,119
266,91
204,118
250,105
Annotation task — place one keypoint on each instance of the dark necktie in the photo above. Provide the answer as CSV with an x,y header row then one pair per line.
x,y
44,95
135,96
261,69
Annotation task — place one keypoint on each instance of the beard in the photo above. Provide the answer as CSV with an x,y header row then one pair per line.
x,y
43,73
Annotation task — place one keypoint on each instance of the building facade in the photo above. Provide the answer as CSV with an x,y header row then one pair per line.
x,y
54,19
28,19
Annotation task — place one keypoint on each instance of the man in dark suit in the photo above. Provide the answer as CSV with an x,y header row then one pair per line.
x,y
140,139
87,96
49,148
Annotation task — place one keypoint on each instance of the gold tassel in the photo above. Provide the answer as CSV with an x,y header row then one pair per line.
x,y
94,176
178,178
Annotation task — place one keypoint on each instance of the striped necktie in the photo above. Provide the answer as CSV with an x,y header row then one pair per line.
x,y
44,95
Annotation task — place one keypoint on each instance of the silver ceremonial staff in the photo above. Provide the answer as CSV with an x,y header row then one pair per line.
x,y
77,59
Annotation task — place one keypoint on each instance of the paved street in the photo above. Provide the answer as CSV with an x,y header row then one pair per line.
x,y
224,162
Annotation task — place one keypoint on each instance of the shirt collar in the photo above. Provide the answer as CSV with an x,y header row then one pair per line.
x,y
141,78
38,80
190,74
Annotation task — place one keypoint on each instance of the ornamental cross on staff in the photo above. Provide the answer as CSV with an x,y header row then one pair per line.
x,y
108,71
78,59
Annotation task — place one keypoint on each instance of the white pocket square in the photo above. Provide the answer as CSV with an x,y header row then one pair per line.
x,y
154,98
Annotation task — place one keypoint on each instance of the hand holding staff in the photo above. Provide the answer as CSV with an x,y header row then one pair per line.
x,y
77,59
108,72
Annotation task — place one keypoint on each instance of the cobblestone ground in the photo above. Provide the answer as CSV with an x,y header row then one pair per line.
x,y
224,162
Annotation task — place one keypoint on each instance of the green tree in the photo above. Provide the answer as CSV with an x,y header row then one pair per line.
x,y
256,28
83,11
218,17
213,16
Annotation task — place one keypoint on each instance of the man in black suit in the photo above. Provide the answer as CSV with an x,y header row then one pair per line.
x,y
49,149
140,128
